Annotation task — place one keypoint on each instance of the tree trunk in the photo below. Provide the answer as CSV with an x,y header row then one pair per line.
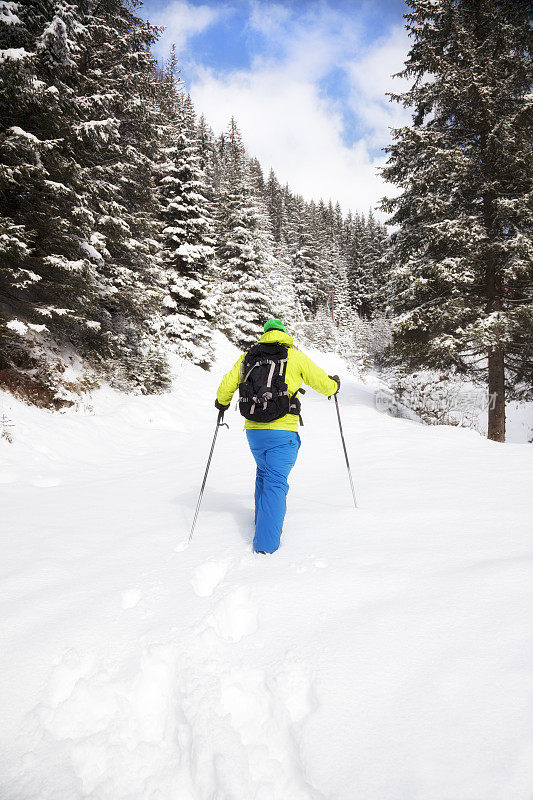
x,y
496,424
496,355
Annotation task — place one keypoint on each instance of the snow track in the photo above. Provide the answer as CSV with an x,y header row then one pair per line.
x,y
381,654
188,721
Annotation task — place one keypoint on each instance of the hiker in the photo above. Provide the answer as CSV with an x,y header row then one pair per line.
x,y
269,377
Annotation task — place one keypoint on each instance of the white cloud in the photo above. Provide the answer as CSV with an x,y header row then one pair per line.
x,y
270,19
181,21
309,43
288,126
371,78
287,122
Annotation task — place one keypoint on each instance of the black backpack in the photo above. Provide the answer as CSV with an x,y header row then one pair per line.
x,y
263,395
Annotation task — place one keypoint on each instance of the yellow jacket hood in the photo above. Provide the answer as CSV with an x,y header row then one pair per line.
x,y
276,336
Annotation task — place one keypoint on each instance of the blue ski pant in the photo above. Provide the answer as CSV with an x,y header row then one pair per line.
x,y
275,454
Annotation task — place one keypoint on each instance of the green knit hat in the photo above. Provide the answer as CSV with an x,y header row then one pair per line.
x,y
274,325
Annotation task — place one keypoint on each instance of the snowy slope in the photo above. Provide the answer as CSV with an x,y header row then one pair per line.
x,y
381,654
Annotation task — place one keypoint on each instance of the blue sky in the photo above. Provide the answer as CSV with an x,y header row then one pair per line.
x,y
305,80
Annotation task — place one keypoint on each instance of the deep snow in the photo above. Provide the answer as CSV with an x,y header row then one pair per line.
x,y
381,654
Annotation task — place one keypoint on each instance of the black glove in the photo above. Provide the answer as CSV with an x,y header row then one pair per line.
x,y
220,407
337,381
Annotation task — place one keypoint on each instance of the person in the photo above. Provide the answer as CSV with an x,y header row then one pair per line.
x,y
274,444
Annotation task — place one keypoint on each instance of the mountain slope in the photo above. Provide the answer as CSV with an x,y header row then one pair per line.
x,y
382,653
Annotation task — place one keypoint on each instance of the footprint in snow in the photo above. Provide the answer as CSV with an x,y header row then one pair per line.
x,y
318,563
208,576
234,616
8,477
45,482
293,688
130,598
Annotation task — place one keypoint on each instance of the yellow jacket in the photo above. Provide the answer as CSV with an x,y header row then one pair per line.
x,y
300,369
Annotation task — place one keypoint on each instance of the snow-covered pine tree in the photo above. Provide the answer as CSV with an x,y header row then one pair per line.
x,y
209,159
283,301
370,247
376,264
291,208
306,257
345,237
76,151
271,198
47,281
324,334
119,142
242,249
188,251
275,206
340,296
257,179
328,256
366,246
463,249
336,267
357,279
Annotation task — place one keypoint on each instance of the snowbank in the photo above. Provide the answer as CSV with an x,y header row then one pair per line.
x,y
381,654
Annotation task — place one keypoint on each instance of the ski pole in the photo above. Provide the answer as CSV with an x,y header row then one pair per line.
x,y
220,424
345,451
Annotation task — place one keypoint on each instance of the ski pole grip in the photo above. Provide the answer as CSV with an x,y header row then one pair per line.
x,y
220,420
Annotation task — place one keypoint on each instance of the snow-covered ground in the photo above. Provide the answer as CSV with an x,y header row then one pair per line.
x,y
381,654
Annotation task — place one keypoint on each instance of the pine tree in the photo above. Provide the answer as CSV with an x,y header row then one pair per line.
x,y
257,179
324,335
47,282
463,250
209,159
242,246
188,250
366,245
376,264
356,263
291,216
334,265
328,256
306,259
274,203
78,139
283,301
373,267
119,144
